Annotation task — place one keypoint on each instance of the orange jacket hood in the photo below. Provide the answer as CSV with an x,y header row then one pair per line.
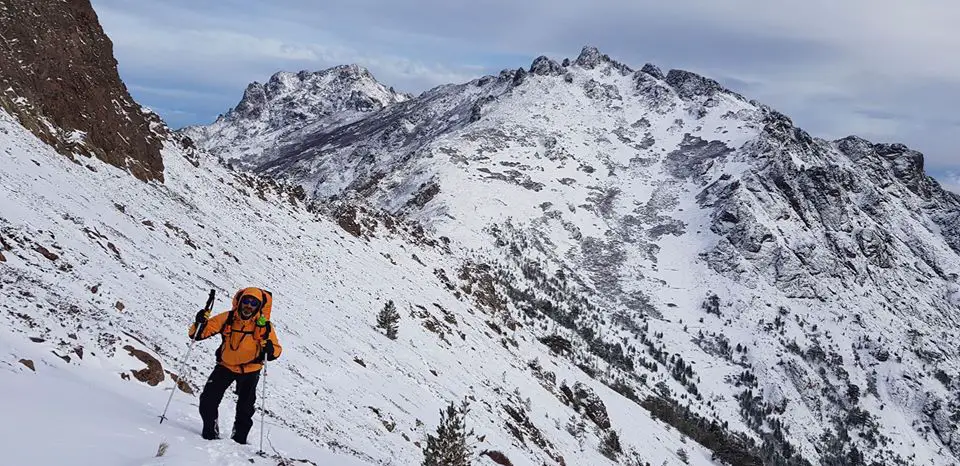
x,y
265,297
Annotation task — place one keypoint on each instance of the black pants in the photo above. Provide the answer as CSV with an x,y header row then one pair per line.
x,y
218,382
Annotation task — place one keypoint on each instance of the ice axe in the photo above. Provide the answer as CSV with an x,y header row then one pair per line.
x,y
183,362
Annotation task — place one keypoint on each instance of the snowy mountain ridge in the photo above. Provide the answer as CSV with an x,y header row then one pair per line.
x,y
287,102
658,220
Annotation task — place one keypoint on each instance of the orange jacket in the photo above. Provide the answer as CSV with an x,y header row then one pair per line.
x,y
242,341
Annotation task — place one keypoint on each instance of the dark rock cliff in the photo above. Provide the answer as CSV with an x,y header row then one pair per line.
x,y
59,77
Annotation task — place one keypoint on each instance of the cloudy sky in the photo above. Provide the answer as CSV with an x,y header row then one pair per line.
x,y
886,70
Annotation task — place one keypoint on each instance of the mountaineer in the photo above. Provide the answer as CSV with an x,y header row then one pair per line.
x,y
248,338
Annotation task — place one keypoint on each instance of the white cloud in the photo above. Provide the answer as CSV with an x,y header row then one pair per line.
x,y
951,181
219,55
888,37
170,92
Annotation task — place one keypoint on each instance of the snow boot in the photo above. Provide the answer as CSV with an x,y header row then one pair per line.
x,y
239,437
211,432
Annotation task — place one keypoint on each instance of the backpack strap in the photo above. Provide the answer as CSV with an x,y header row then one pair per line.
x,y
225,332
263,302
227,328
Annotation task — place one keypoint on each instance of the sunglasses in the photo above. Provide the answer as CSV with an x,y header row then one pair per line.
x,y
248,301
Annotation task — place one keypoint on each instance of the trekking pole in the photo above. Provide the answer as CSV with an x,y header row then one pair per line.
x,y
196,336
263,403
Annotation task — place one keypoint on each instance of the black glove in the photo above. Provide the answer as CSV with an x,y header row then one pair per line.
x,y
200,320
268,352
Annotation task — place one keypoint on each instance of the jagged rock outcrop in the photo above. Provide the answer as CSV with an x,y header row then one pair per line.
x,y
58,76
590,58
653,70
905,164
545,66
585,400
691,85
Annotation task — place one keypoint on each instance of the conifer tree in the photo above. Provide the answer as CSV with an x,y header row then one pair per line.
x,y
449,446
387,319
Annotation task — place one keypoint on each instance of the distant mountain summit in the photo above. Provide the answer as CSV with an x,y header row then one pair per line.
x,y
288,102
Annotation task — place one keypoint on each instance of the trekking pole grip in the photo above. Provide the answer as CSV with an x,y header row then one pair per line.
x,y
210,300
208,307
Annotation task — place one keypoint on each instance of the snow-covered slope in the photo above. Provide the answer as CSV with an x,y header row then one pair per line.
x,y
108,420
269,113
100,275
695,247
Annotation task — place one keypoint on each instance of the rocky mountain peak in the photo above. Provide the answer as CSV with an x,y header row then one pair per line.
x,y
854,147
290,97
254,98
289,101
590,57
58,76
903,163
653,70
690,85
345,75
545,66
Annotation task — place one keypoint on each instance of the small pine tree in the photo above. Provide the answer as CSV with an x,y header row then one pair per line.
x,y
387,319
682,454
449,447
